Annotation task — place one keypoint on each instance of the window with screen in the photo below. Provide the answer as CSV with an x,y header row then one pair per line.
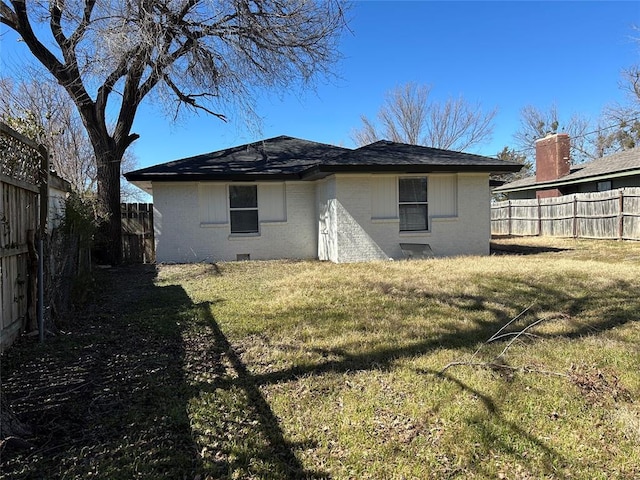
x,y
413,205
243,208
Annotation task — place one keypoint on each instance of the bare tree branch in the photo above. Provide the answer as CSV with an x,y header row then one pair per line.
x,y
497,362
536,124
409,116
191,101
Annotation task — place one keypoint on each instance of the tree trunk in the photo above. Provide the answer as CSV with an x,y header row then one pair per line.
x,y
109,241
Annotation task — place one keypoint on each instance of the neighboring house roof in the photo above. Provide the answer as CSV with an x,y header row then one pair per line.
x,y
284,157
621,164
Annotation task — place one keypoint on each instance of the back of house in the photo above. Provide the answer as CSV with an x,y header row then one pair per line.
x,y
290,198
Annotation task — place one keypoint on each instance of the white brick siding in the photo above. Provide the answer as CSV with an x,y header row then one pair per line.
x,y
360,236
182,237
331,219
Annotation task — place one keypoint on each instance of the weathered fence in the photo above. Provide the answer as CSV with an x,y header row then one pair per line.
x,y
614,214
137,233
23,213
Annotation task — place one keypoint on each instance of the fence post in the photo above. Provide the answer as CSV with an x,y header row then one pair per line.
x,y
42,235
620,214
509,217
575,216
539,218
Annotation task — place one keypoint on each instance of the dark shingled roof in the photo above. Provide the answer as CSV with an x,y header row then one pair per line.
x,y
280,157
392,154
616,165
285,157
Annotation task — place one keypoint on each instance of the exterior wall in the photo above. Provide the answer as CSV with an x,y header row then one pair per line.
x,y
182,235
345,218
467,233
522,195
625,182
358,238
459,223
622,182
584,187
471,233
58,191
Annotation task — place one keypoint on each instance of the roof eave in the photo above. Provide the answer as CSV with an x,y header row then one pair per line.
x,y
315,172
575,181
199,177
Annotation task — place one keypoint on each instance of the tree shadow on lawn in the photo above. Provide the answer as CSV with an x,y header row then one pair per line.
x,y
237,423
502,443
615,307
107,395
146,385
113,395
498,248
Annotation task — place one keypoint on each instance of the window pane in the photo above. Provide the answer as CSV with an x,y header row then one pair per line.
x,y
243,196
413,189
244,221
413,218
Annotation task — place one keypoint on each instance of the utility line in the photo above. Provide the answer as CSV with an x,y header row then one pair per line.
x,y
629,120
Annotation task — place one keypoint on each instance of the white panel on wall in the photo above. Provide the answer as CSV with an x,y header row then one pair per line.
x,y
384,199
272,202
443,195
212,203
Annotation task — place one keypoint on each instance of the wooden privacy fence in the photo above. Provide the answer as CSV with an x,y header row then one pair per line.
x,y
614,214
23,213
137,233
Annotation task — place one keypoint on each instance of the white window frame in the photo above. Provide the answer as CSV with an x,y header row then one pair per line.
x,y
425,203
245,209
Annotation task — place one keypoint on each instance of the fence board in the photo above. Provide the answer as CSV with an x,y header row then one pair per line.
x,y
500,218
631,214
614,214
557,216
20,163
524,217
137,233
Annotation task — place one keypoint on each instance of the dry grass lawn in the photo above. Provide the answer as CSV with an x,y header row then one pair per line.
x,y
315,370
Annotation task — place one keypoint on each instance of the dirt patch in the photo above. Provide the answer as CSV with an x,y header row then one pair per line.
x,y
598,386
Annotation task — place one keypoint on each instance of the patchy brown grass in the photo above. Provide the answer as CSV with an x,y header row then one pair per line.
x,y
315,370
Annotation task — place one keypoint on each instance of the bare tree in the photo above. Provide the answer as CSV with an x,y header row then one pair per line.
x,y
536,124
109,55
620,124
409,116
41,110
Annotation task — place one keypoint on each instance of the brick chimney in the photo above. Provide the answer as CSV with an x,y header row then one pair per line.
x,y
552,161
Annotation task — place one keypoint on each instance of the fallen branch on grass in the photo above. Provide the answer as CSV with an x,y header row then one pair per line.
x,y
496,363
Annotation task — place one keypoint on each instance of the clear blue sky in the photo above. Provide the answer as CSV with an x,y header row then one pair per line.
x,y
504,54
